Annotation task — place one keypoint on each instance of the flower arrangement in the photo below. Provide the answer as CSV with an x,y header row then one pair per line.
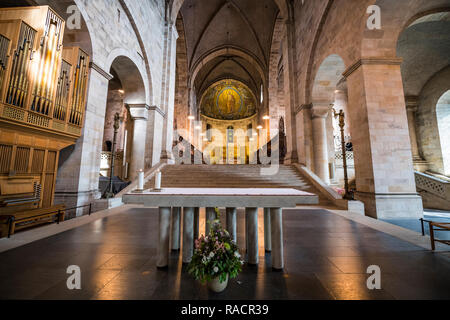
x,y
216,255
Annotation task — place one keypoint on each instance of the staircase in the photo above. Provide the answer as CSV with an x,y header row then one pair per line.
x,y
435,191
235,176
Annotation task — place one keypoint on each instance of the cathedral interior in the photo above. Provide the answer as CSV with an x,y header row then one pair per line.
x,y
345,102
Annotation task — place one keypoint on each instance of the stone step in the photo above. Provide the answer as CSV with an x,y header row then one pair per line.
x,y
233,176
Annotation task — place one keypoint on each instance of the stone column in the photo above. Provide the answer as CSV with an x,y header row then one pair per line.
x,y
385,179
320,113
176,219
153,143
210,216
267,230
290,89
412,103
139,114
188,234
231,223
79,171
252,235
196,223
164,237
168,90
276,217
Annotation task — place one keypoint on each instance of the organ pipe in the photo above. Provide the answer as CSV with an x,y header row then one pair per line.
x,y
41,83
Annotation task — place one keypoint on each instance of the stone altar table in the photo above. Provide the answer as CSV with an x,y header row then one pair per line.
x,y
272,200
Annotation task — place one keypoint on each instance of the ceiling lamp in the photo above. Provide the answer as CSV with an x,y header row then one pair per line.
x,y
259,127
266,118
191,118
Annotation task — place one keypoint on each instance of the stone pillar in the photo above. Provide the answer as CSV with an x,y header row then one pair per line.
x,y
412,103
188,234
290,89
320,113
385,179
164,237
267,230
196,223
210,216
276,217
139,114
176,219
168,90
231,223
252,235
77,183
153,143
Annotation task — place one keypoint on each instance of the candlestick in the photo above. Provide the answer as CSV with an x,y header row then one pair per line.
x,y
158,180
141,180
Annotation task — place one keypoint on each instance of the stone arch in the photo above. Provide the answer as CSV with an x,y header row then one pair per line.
x,y
396,17
227,51
276,77
323,96
143,49
133,80
427,120
327,77
443,120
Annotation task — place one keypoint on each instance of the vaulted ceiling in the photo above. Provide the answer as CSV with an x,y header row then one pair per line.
x,y
246,25
424,47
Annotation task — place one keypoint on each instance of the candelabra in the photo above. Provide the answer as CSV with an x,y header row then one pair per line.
x,y
341,117
110,193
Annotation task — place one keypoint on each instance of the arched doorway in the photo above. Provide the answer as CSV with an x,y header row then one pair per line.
x,y
126,98
443,120
329,95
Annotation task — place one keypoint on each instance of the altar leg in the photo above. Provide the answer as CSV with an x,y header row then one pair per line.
x,y
188,234
231,223
276,217
176,219
196,223
267,231
164,237
252,235
210,216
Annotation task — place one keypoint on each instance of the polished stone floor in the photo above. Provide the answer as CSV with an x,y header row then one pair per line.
x,y
326,258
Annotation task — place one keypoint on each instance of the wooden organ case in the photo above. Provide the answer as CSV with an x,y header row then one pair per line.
x,y
42,104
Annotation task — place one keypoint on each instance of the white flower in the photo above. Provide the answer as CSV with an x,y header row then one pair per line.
x,y
237,255
216,269
211,255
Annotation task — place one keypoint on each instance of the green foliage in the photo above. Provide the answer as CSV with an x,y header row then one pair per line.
x,y
215,255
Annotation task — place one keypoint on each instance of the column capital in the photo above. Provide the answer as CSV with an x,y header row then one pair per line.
x,y
139,111
393,61
412,103
320,110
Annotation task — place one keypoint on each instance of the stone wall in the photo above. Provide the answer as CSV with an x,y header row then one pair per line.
x,y
129,28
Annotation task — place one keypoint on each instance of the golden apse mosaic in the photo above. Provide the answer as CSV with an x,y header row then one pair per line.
x,y
228,100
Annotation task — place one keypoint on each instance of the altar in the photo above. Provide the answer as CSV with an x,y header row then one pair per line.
x,y
272,200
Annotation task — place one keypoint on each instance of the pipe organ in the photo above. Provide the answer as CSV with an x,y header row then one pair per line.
x,y
43,89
